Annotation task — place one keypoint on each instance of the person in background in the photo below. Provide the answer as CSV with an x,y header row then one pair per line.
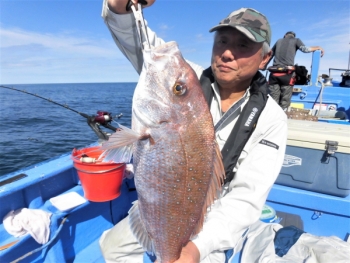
x,y
282,73
252,138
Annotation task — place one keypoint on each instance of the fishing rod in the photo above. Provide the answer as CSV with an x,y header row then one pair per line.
x,y
103,118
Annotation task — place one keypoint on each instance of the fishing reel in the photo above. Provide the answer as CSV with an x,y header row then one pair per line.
x,y
103,118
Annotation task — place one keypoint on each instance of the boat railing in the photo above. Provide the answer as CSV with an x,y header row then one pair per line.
x,y
330,69
315,78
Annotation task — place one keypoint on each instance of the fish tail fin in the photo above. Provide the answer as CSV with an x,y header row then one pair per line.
x,y
139,230
214,187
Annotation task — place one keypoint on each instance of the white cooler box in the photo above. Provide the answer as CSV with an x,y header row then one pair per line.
x,y
317,157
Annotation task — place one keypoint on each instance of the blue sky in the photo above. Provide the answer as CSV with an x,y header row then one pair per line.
x,y
52,41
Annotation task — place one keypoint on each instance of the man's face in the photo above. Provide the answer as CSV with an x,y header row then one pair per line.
x,y
235,58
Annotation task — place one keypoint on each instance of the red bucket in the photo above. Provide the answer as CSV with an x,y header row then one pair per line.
x,y
101,181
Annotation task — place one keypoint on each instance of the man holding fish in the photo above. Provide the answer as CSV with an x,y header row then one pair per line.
x,y
173,126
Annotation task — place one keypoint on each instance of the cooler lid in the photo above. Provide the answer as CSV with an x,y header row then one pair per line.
x,y
311,134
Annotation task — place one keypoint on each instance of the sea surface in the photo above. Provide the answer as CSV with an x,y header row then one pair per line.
x,y
33,130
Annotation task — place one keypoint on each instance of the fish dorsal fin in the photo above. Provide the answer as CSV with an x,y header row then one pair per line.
x,y
214,187
139,230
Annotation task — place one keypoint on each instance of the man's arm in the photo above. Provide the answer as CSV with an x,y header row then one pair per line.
x,y
307,49
124,32
314,48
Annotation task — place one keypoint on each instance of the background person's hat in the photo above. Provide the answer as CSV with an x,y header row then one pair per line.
x,y
250,22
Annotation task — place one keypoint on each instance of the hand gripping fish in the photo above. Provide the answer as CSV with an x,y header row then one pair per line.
x,y
177,162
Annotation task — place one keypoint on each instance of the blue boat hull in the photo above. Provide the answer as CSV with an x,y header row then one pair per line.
x,y
77,239
322,94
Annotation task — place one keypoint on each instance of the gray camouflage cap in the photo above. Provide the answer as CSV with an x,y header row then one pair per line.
x,y
250,22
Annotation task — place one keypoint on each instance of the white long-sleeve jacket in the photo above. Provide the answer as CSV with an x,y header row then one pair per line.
x,y
258,166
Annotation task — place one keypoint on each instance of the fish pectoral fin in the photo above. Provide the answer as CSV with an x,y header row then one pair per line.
x,y
123,137
118,148
118,155
139,230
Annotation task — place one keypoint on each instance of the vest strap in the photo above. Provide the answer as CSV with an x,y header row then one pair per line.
x,y
231,111
246,122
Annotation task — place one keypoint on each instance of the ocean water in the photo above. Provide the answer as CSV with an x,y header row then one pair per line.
x,y
34,130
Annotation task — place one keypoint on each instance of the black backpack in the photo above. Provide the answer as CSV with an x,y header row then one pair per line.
x,y
301,75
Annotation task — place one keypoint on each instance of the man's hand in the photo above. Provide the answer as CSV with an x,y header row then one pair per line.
x,y
314,48
189,254
129,171
119,6
322,52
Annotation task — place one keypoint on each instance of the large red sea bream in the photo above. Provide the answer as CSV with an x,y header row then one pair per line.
x,y
177,162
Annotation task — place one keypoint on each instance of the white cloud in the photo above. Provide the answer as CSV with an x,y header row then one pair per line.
x,y
164,27
63,42
31,57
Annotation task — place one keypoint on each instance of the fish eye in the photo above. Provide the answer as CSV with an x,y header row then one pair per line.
x,y
179,89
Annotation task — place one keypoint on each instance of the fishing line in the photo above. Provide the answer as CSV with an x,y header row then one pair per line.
x,y
49,100
102,118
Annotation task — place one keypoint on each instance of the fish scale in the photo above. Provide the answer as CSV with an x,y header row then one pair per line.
x,y
169,211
